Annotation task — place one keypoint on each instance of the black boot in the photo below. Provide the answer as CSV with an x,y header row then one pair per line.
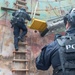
x,y
16,48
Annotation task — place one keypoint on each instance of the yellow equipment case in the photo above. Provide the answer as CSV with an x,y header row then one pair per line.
x,y
38,25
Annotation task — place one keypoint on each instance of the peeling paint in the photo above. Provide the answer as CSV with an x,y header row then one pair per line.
x,y
48,9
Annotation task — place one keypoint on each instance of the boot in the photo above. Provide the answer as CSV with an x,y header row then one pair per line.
x,y
16,49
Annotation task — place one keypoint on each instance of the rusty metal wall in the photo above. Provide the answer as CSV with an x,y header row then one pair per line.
x,y
48,9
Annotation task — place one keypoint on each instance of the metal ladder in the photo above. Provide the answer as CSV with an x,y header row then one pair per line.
x,y
21,3
21,60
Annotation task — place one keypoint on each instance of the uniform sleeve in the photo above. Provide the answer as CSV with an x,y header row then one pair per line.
x,y
13,14
28,17
43,61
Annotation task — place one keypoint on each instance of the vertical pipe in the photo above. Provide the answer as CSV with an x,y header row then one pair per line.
x,y
60,6
31,9
35,9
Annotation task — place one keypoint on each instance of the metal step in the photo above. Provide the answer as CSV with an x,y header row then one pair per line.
x,y
20,70
11,9
20,60
20,6
21,2
20,52
23,43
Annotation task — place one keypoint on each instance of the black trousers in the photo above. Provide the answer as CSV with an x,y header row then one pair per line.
x,y
17,28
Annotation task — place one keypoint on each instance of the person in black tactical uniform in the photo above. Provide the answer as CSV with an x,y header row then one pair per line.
x,y
18,22
57,36
61,52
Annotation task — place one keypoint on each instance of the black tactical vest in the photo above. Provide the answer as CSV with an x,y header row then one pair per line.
x,y
19,17
67,55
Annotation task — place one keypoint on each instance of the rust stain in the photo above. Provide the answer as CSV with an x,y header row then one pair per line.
x,y
1,28
8,42
7,3
62,12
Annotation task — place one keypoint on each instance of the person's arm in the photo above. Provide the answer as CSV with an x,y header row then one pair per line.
x,y
28,17
43,61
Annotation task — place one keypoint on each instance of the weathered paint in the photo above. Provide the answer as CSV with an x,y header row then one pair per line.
x,y
48,9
